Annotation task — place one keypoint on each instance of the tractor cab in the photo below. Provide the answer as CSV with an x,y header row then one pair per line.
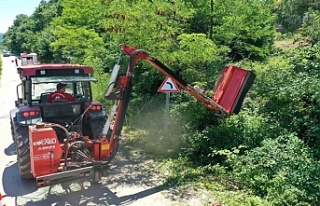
x,y
78,86
61,110
39,81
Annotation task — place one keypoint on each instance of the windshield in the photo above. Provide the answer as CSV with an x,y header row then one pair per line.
x,y
80,90
56,79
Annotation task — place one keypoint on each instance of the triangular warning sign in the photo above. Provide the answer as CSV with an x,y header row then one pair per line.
x,y
168,85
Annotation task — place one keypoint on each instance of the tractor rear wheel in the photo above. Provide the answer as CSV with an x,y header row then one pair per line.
x,y
23,150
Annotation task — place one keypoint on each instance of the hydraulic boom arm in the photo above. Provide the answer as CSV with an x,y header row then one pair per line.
x,y
122,94
136,54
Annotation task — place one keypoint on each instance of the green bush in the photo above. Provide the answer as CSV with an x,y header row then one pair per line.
x,y
310,26
286,95
295,105
246,130
282,170
248,34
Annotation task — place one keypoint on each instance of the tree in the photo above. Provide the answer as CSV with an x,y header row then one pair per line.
x,y
246,27
310,26
26,32
290,12
19,37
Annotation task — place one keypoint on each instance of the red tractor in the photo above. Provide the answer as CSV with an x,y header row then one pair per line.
x,y
28,59
63,140
40,147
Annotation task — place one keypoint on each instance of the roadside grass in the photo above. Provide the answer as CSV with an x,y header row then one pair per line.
x,y
209,184
288,42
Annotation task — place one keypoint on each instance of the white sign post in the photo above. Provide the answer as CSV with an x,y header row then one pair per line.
x,y
167,86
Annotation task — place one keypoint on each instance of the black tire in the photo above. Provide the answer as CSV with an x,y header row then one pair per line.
x,y
21,135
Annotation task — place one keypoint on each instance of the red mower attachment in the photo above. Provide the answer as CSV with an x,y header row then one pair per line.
x,y
45,150
231,88
77,157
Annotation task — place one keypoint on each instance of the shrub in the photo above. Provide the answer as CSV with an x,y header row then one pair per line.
x,y
245,130
282,170
310,26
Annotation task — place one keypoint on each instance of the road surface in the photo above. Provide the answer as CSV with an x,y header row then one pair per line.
x,y
132,180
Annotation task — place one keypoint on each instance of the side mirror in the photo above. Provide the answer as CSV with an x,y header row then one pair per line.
x,y
18,102
19,70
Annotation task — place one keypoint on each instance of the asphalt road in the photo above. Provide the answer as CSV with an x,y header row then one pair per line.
x,y
132,180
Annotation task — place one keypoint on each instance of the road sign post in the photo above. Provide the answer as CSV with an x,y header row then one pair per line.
x,y
167,86
166,113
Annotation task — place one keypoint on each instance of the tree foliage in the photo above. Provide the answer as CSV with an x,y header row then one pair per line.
x,y
291,12
20,36
310,26
245,27
31,33
282,170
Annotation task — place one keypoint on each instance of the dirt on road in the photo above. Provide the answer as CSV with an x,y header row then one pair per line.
x,y
133,179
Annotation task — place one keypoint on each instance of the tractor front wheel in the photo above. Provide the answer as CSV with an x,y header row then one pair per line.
x,y
23,150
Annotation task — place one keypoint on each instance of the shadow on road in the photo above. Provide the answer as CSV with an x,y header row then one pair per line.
x,y
10,150
129,179
96,194
79,192
13,185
